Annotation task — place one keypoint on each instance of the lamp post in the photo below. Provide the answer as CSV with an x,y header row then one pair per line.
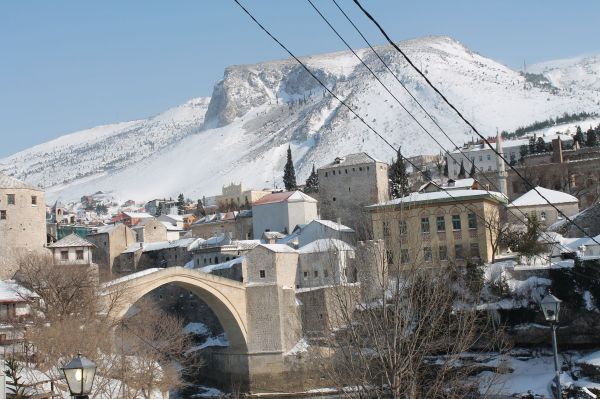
x,y
79,374
551,306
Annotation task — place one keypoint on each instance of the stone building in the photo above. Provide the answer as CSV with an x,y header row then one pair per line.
x,y
236,195
531,203
320,229
434,228
109,242
140,256
15,308
22,222
220,249
325,262
349,183
237,224
72,250
282,212
150,230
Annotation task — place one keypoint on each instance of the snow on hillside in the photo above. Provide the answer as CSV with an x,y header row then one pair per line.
x,y
573,73
257,110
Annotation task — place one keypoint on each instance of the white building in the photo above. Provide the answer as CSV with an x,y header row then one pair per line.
x,y
485,158
325,262
532,203
316,230
72,250
282,212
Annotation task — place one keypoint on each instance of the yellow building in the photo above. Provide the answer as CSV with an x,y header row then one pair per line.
x,y
435,228
235,193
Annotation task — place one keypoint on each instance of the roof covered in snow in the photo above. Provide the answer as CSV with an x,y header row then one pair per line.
x,y
442,196
325,245
138,215
171,227
11,182
188,243
10,291
350,160
221,266
282,248
104,229
531,197
333,225
72,240
286,196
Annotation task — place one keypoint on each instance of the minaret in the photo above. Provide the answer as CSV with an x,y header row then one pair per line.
x,y
500,165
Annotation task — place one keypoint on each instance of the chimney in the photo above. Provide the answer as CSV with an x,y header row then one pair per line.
x,y
557,151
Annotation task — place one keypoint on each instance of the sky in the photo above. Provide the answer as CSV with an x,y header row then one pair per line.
x,y
67,65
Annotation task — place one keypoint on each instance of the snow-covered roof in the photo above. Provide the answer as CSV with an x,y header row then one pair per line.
x,y
11,182
72,240
459,183
351,160
442,196
104,229
325,245
286,196
333,225
138,215
273,235
531,198
282,248
10,291
188,243
177,218
512,144
221,266
171,227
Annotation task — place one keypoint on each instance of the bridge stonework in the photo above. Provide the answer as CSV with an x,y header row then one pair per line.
x,y
260,318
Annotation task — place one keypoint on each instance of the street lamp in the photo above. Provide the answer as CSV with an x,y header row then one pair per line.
x,y
79,374
551,306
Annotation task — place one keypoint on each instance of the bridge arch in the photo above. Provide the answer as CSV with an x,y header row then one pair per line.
x,y
225,297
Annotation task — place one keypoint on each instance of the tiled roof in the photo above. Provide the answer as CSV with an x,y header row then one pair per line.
x,y
11,182
350,160
279,248
72,240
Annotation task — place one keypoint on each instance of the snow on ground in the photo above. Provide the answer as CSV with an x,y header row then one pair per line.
x,y
300,347
249,131
219,340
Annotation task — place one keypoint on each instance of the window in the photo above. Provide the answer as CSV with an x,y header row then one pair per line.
x,y
333,199
427,255
79,254
386,229
489,168
472,220
441,224
443,252
360,169
326,174
333,172
480,158
262,274
316,273
2,215
425,225
326,273
305,274
455,222
33,200
404,255
346,170
64,255
543,216
489,157
454,161
402,227
10,198
474,247
390,257
458,251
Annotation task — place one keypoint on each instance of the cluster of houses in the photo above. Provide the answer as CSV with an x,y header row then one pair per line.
x,y
439,223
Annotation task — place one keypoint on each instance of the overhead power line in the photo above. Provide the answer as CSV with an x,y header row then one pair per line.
x,y
485,140
407,90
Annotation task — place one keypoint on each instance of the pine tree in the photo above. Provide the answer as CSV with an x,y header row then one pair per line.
x,y
532,147
579,137
312,183
13,371
592,138
473,170
289,174
461,172
399,186
180,203
540,145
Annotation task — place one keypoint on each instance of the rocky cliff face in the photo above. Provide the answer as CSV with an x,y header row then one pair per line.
x,y
256,111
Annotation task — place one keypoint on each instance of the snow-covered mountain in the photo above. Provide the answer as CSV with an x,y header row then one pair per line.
x,y
257,110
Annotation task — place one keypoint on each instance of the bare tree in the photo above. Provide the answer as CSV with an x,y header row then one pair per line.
x,y
410,331
73,314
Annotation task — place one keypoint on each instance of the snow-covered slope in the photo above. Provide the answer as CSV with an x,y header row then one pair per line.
x,y
257,110
580,73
